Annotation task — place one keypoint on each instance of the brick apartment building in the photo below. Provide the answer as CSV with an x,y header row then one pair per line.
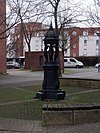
x,y
82,41
17,37
79,42
2,36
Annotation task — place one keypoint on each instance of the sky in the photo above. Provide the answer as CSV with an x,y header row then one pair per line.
x,y
85,4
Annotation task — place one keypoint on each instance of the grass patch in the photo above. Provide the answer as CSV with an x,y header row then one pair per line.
x,y
19,102
27,110
74,89
18,93
69,71
90,97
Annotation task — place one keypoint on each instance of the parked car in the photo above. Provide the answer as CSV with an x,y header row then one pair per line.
x,y
97,65
13,64
72,62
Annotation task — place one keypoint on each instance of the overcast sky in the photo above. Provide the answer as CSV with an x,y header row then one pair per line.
x,y
85,4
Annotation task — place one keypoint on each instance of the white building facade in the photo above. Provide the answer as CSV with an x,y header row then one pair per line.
x,y
36,44
79,41
85,42
88,46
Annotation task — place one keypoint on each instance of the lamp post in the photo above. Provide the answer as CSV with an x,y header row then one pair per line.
x,y
98,51
51,85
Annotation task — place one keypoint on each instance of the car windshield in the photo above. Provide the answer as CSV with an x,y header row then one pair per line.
x,y
72,60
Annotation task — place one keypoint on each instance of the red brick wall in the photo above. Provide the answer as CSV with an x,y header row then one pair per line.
x,y
37,60
36,64
74,40
61,60
2,41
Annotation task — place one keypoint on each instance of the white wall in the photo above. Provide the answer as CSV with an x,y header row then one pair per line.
x,y
36,44
90,48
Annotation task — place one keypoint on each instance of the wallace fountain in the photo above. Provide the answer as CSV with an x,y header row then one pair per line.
x,y
51,85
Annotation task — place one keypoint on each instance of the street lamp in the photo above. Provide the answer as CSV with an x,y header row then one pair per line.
x,y
98,34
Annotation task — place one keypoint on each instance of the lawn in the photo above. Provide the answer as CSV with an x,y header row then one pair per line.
x,y
20,102
17,93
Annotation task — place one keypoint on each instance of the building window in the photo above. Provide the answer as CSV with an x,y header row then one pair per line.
x,y
85,52
36,34
65,34
97,51
74,54
74,33
95,32
85,33
42,34
97,42
65,50
85,42
74,45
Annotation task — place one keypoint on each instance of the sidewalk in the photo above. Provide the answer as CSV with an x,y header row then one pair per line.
x,y
91,73
25,126
17,77
15,125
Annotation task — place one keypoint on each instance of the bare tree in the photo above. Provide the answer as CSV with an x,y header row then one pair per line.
x,y
93,13
6,17
28,14
62,14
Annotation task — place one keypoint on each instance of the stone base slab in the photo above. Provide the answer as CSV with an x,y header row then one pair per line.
x,y
56,115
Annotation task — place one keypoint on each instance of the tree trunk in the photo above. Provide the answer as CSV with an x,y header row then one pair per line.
x,y
30,59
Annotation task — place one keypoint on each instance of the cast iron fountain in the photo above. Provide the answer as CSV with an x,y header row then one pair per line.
x,y
51,86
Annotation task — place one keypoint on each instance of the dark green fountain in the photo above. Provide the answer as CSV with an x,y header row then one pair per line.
x,y
51,86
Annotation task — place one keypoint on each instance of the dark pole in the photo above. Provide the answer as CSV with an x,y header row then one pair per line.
x,y
99,52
